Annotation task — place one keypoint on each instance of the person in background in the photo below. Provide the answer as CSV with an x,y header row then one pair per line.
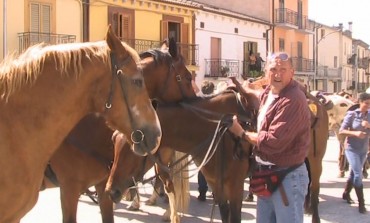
x,y
356,128
252,61
207,89
282,141
259,61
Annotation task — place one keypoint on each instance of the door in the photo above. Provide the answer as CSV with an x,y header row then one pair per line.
x,y
122,21
215,61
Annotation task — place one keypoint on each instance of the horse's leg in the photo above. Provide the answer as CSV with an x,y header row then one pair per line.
x,y
156,190
235,205
171,212
224,211
69,195
105,203
315,189
307,202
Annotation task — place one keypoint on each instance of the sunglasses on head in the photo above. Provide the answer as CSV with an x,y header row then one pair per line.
x,y
281,56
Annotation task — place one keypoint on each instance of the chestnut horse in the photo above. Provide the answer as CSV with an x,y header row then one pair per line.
x,y
191,127
72,80
85,156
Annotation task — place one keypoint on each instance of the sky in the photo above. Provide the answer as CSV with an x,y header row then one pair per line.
x,y
333,12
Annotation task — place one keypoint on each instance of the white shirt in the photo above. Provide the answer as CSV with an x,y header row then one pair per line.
x,y
270,99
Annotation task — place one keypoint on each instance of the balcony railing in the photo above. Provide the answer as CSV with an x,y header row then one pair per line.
x,y
363,63
303,64
305,24
28,39
215,68
287,16
190,52
324,71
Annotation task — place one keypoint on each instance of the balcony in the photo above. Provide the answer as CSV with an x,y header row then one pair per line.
x,y
303,64
331,73
216,68
363,63
190,52
286,18
305,25
28,39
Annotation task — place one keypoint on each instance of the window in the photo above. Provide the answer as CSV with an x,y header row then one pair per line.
x,y
281,45
40,17
335,61
40,23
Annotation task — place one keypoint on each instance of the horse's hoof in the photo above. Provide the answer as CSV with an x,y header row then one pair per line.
x,y
365,174
341,174
150,202
133,208
249,198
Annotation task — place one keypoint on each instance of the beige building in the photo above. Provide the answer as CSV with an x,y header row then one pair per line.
x,y
26,22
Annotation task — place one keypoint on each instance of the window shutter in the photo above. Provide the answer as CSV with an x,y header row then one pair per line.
x,y
164,30
35,17
126,27
45,16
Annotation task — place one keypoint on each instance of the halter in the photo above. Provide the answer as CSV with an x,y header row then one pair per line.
x,y
137,136
178,78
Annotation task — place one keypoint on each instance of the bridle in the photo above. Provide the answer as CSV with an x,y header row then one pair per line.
x,y
137,136
179,79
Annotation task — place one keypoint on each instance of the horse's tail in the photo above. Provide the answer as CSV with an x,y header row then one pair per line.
x,y
181,183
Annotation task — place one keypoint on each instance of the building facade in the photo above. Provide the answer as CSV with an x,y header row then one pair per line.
x,y
27,22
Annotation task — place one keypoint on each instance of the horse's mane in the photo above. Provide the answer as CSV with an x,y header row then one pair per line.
x,y
16,72
158,55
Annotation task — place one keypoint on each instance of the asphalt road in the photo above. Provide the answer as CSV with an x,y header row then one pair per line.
x,y
332,208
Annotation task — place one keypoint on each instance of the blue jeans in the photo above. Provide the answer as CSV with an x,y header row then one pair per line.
x,y
202,183
356,162
272,209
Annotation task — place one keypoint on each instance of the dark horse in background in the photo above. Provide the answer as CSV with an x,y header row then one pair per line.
x,y
85,156
190,127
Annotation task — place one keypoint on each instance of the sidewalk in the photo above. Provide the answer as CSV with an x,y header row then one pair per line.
x,y
332,208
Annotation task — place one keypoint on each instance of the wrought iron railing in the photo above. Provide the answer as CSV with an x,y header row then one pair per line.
x,y
188,51
303,64
221,68
27,39
288,16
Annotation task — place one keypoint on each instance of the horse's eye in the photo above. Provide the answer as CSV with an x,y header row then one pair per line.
x,y
138,82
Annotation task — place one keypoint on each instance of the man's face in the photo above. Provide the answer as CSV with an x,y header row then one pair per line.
x,y
279,74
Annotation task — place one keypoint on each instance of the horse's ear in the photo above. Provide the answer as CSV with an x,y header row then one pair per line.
x,y
173,47
113,41
164,46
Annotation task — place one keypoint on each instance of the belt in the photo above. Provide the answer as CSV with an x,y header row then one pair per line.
x,y
269,167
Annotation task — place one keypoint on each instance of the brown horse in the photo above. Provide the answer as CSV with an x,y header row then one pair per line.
x,y
72,80
190,127
85,156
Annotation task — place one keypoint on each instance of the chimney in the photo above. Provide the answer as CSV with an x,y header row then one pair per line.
x,y
340,26
350,26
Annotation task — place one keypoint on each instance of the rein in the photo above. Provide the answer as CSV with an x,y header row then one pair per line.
x,y
137,136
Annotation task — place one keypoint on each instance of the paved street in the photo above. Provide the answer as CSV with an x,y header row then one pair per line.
x,y
332,207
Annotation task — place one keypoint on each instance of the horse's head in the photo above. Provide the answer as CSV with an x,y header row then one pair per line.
x,y
166,75
126,167
136,117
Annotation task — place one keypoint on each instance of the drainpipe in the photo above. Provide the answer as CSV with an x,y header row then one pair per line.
x,y
267,39
4,29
